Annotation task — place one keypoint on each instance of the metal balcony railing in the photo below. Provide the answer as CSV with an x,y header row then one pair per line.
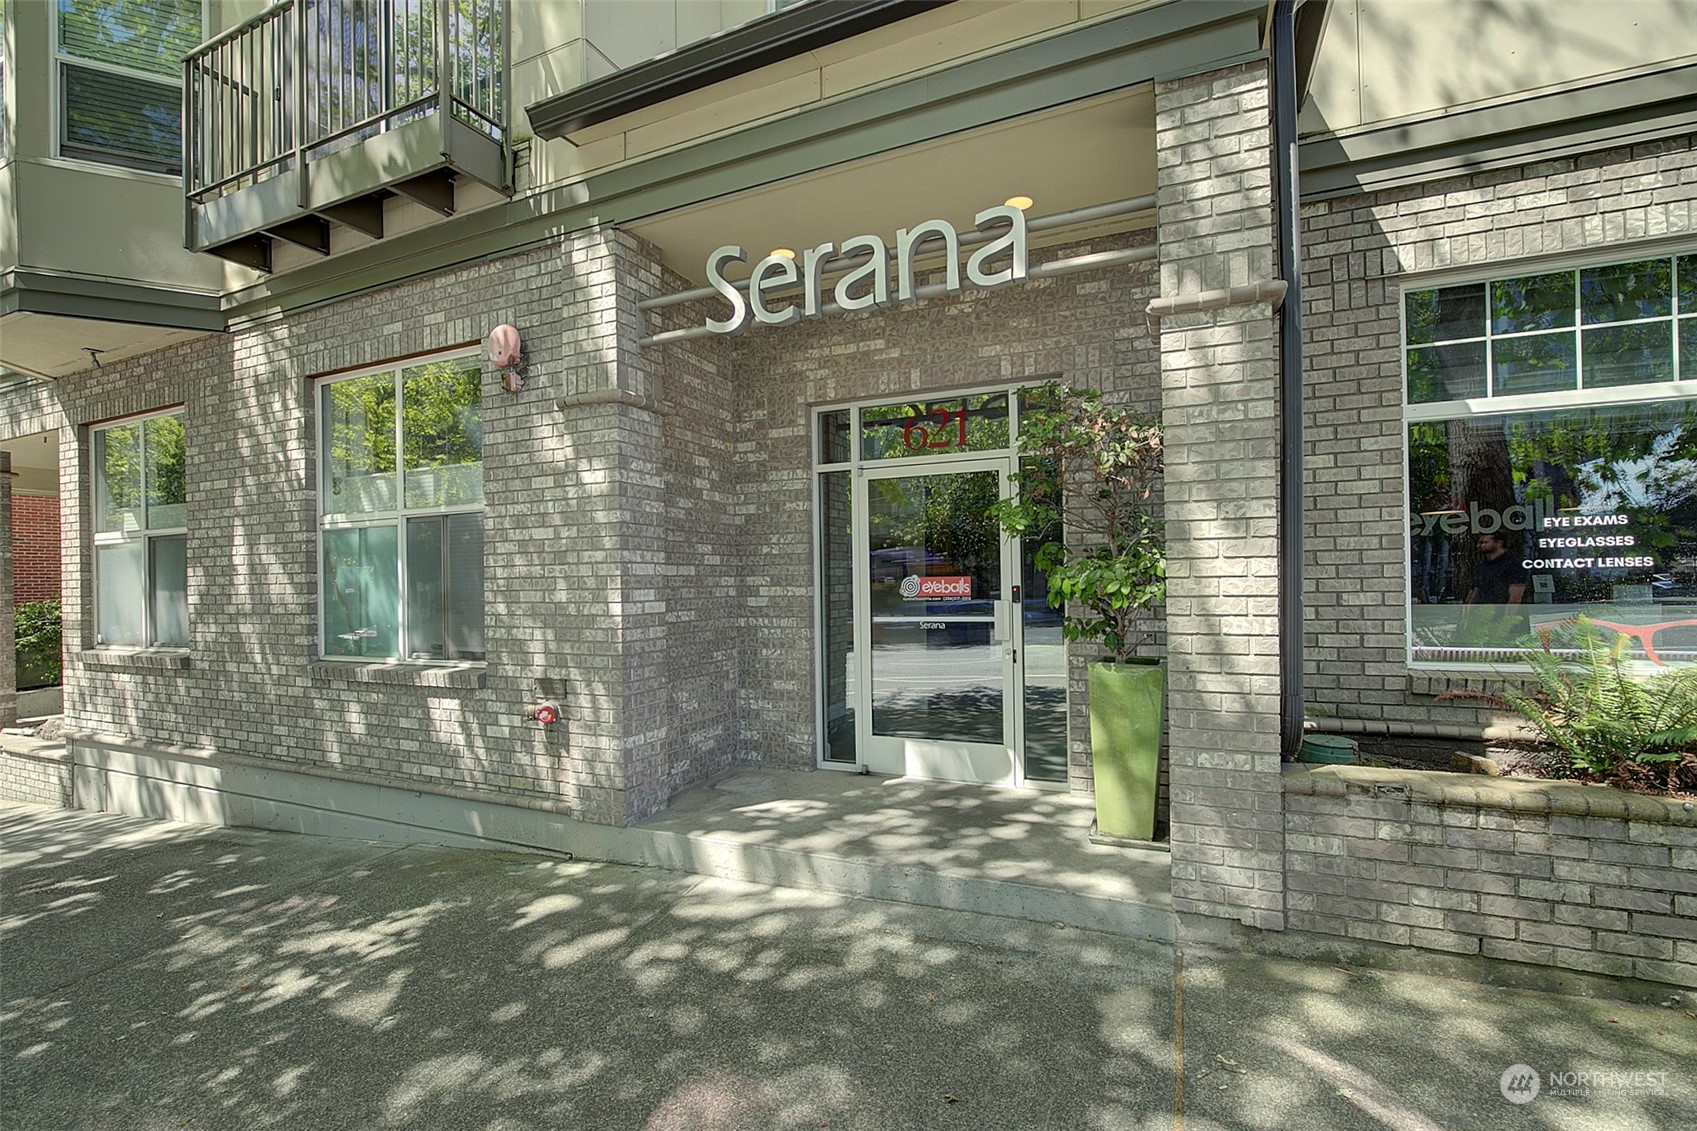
x,y
308,78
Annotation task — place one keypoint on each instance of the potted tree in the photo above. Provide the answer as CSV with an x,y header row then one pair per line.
x,y
1087,473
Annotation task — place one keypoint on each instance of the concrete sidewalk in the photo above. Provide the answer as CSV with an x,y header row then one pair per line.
x,y
175,976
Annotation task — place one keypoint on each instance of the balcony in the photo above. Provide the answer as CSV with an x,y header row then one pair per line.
x,y
312,114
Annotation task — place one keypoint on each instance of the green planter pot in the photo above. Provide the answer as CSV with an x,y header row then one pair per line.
x,y
1327,750
1125,745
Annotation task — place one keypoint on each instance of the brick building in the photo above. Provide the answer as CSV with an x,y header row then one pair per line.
x,y
322,553
35,547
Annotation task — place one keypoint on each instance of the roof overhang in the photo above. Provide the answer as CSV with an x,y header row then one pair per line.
x,y
50,323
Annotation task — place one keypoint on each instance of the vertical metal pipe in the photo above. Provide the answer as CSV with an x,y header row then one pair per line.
x,y
1291,548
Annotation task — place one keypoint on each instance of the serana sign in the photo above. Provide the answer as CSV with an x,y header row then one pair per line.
x,y
869,285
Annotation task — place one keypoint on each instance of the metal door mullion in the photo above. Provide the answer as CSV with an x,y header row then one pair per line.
x,y
860,550
1013,668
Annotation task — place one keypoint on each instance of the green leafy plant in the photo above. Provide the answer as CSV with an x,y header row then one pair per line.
x,y
1605,721
1087,473
38,628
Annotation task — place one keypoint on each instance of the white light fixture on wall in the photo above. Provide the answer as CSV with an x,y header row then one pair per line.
x,y
506,353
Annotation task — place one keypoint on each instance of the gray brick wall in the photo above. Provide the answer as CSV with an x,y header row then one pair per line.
x,y
1219,381
566,601
1356,249
1555,874
685,690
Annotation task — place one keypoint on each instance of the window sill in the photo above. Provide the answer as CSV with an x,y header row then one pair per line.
x,y
468,677
135,659
108,169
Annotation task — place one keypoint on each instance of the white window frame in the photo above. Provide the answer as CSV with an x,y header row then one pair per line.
x,y
1487,406
145,536
397,518
57,93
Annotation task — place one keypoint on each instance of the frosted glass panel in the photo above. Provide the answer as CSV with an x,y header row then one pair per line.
x,y
170,591
362,592
121,589
445,588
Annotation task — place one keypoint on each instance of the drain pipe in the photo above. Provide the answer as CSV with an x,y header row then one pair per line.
x,y
1290,378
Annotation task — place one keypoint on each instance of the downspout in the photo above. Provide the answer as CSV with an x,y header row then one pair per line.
x,y
1290,378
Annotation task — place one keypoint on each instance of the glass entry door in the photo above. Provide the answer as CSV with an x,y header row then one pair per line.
x,y
938,641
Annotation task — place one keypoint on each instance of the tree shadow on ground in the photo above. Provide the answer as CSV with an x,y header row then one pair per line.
x,y
171,976
225,979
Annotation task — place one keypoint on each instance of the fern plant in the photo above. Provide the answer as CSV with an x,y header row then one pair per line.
x,y
1597,714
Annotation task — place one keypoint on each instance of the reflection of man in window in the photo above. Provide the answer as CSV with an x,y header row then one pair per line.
x,y
1494,605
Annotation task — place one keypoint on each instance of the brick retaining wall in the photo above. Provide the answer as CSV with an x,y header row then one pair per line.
x,y
37,773
1561,874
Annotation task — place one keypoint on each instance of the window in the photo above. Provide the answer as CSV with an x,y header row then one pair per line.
x,y
401,527
140,534
120,79
1552,461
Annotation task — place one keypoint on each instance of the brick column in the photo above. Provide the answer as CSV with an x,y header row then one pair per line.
x,y
1219,373
8,653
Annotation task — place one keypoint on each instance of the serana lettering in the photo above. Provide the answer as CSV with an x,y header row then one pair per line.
x,y
867,286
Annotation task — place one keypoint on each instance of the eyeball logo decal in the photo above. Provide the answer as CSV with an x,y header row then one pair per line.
x,y
936,588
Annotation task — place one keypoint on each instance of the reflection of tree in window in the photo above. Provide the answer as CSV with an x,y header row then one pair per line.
x,y
1482,473
442,428
944,514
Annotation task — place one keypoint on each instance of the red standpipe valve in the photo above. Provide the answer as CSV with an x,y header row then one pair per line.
x,y
545,713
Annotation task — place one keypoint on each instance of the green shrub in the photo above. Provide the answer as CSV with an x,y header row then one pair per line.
x,y
1604,721
38,628
1087,473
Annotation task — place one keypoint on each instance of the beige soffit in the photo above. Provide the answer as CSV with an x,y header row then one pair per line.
x,y
49,345
1094,152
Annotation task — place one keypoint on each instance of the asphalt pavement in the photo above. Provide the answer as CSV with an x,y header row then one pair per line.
x,y
167,976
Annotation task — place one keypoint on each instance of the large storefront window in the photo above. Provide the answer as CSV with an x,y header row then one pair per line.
x,y
1552,462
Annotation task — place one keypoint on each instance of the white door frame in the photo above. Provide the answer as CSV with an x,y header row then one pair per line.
x,y
940,759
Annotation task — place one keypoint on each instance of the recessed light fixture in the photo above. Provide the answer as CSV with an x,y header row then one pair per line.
x,y
1019,202
783,251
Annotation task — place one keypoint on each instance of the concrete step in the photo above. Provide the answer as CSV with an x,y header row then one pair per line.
x,y
1020,854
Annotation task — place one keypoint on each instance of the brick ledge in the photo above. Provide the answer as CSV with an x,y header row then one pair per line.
x,y
1432,683
468,677
1519,795
35,749
135,659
